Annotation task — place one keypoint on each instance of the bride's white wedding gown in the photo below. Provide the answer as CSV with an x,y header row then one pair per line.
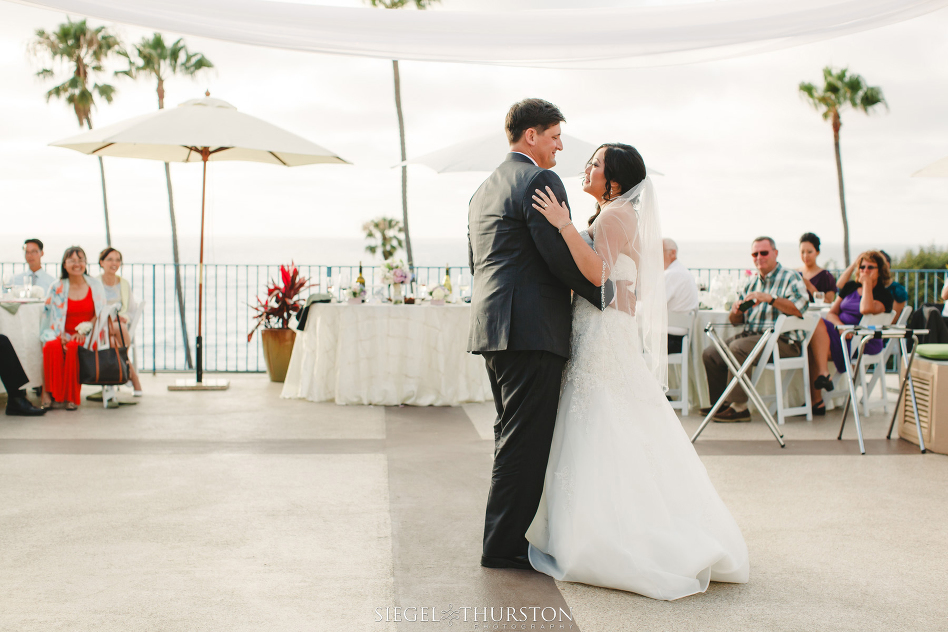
x,y
627,503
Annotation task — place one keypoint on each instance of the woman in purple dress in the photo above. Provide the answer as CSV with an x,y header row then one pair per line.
x,y
816,278
866,294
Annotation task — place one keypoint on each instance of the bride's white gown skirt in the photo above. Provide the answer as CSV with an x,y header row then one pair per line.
x,y
627,503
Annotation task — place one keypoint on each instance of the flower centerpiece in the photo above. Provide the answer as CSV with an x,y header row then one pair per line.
x,y
438,294
723,291
273,314
356,293
396,274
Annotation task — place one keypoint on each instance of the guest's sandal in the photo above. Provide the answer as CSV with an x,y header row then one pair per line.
x,y
823,383
71,406
819,409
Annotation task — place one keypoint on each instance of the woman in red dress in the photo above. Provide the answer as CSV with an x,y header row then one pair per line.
x,y
76,298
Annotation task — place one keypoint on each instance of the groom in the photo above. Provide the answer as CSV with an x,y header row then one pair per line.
x,y
520,321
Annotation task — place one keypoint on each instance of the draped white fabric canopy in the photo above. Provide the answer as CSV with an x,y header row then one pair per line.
x,y
486,152
598,37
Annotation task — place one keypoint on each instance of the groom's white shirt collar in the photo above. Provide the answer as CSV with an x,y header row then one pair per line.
x,y
523,154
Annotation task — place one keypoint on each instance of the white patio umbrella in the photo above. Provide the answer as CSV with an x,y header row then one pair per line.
x,y
938,169
486,152
200,130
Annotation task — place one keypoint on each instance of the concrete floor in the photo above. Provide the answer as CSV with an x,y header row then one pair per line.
x,y
238,510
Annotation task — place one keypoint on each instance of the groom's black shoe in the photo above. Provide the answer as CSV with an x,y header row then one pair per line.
x,y
520,562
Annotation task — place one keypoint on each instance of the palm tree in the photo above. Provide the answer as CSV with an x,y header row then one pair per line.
x,y
839,89
399,4
154,58
386,232
83,50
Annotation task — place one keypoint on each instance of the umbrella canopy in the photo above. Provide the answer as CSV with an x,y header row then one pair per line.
x,y
200,130
178,134
486,152
938,169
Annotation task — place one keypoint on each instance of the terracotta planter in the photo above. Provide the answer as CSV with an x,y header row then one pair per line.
x,y
277,349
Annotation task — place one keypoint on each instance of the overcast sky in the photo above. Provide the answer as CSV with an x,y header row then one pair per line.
x,y
742,153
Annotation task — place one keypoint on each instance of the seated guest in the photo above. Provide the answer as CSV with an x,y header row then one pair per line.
x,y
896,289
14,378
815,278
118,290
944,297
867,294
680,290
34,275
773,291
76,298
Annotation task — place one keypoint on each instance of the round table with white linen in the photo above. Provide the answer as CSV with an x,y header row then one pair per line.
x,y
22,328
386,355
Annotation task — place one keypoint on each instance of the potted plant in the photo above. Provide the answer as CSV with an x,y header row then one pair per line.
x,y
273,313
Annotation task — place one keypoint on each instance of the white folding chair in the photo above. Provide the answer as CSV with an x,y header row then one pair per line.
x,y
109,393
134,317
783,368
892,349
682,321
875,361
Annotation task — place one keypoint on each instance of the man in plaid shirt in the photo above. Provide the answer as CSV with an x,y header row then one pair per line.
x,y
775,290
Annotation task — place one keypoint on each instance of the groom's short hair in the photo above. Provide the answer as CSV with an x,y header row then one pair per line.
x,y
528,113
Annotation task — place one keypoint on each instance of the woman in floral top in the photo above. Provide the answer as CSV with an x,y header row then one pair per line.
x,y
74,299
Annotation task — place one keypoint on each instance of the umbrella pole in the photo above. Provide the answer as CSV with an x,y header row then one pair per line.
x,y
199,384
198,344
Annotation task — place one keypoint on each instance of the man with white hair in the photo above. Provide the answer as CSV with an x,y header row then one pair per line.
x,y
680,290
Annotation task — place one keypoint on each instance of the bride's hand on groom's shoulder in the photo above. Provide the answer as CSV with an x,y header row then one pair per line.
x,y
556,212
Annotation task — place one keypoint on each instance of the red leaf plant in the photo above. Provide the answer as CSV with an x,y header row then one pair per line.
x,y
282,301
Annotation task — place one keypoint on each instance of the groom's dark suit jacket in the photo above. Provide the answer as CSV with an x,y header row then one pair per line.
x,y
522,267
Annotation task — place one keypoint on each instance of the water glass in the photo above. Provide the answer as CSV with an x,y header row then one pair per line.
x,y
818,297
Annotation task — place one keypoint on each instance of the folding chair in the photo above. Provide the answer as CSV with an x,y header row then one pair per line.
x,y
869,320
740,379
134,317
686,321
892,349
783,368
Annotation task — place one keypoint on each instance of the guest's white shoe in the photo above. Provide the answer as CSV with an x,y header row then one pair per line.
x,y
137,394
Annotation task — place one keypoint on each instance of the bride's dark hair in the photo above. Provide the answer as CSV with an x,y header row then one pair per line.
x,y
623,166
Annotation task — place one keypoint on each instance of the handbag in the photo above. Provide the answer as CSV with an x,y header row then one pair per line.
x,y
104,367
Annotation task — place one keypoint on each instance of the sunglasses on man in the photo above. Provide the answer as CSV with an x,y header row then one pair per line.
x,y
760,253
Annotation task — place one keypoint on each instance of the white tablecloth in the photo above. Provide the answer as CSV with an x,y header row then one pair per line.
x,y
386,355
699,378
22,329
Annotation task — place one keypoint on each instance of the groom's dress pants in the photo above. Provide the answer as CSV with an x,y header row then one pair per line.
x,y
526,387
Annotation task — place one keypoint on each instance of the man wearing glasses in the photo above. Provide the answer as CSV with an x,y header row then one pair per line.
x,y
774,290
34,275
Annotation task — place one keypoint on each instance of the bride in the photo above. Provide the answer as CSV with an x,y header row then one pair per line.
x,y
627,503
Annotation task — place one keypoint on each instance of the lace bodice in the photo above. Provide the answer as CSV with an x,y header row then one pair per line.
x,y
624,270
